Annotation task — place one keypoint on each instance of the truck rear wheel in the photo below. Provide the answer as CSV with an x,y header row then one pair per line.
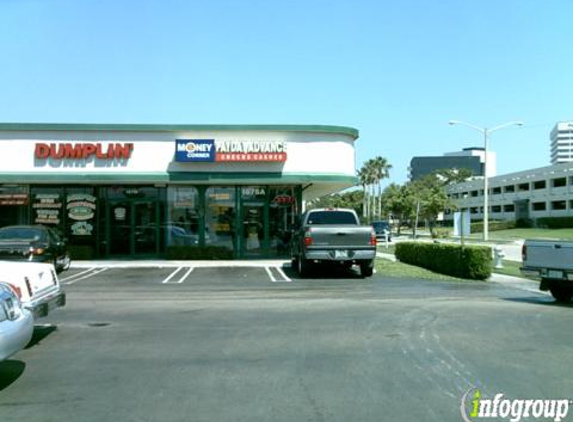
x,y
366,270
561,293
303,266
294,263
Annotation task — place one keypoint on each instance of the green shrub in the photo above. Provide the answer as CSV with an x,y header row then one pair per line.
x,y
469,262
198,253
554,222
524,223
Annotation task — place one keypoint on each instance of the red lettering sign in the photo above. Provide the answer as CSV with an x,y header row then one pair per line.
x,y
111,151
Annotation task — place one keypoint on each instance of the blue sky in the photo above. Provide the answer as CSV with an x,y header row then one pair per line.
x,y
396,70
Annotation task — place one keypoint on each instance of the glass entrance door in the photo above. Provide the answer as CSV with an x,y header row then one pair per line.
x,y
145,227
253,239
120,230
133,228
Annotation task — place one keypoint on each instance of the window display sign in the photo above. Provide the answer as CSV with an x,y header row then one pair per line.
x,y
210,150
13,199
13,195
81,211
47,207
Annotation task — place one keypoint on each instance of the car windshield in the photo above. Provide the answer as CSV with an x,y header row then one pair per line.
x,y
21,233
331,217
380,225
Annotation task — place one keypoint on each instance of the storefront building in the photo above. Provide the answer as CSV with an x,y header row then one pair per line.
x,y
140,191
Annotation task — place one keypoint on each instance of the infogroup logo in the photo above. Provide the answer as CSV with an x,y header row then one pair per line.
x,y
474,407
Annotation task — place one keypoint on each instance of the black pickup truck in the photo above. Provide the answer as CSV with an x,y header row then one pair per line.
x,y
333,236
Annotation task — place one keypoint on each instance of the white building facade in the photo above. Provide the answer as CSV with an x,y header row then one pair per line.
x,y
529,194
562,143
136,190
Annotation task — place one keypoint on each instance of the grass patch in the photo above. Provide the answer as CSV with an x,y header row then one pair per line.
x,y
514,234
391,249
388,268
511,268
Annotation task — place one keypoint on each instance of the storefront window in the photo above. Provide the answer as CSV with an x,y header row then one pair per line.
x,y
182,228
282,213
48,207
14,200
220,217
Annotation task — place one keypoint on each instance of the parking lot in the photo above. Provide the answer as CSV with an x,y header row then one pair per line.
x,y
192,343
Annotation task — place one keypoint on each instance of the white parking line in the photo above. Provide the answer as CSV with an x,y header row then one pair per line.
x,y
182,279
283,279
283,275
171,275
96,272
272,277
78,274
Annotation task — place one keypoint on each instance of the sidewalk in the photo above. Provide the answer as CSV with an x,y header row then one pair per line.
x,y
174,264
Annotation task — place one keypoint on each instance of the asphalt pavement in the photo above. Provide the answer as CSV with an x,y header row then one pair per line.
x,y
200,343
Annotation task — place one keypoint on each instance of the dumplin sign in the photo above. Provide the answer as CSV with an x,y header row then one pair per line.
x,y
83,151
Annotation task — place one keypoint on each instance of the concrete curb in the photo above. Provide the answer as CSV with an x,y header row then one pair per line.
x,y
175,264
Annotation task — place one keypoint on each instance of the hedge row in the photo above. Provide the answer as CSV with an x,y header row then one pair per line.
x,y
469,262
197,253
492,226
554,222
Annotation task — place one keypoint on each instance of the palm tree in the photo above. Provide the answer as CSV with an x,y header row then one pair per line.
x,y
366,177
381,170
364,182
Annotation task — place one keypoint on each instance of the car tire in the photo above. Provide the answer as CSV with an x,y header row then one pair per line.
x,y
294,263
303,267
366,270
562,294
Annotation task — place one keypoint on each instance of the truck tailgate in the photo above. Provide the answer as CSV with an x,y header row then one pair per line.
x,y
549,254
335,236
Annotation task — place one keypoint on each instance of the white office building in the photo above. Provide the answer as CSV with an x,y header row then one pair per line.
x,y
562,143
534,193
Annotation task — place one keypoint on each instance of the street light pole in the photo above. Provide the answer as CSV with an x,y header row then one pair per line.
x,y
486,132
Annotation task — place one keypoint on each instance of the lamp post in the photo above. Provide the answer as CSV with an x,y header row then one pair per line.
x,y
486,132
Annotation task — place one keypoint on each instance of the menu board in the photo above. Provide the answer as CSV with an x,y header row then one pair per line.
x,y
47,207
81,210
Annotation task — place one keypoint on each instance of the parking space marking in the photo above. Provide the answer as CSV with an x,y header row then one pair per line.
x,y
174,273
282,276
169,277
88,275
77,275
182,279
272,277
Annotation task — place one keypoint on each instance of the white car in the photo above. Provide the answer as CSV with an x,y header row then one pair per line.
x,y
16,323
36,285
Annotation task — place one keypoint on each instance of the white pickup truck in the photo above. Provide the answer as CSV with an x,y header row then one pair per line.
x,y
552,261
36,285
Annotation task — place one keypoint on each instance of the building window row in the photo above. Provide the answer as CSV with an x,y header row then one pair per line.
x,y
559,182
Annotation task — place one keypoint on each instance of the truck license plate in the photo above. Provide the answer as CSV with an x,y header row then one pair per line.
x,y
555,274
341,254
